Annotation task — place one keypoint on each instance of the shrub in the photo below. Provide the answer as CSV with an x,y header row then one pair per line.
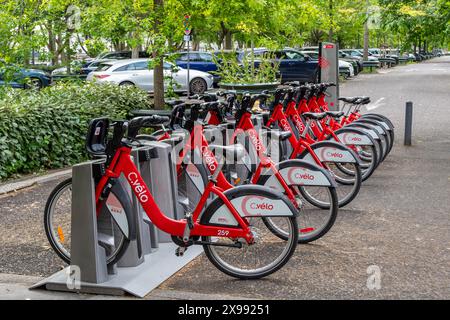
x,y
46,129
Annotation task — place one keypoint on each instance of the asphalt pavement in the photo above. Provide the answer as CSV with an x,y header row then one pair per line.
x,y
400,222
391,242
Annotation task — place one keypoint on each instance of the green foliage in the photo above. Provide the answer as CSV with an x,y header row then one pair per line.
x,y
251,70
46,129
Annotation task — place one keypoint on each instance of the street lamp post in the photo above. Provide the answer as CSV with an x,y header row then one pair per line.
x,y
187,39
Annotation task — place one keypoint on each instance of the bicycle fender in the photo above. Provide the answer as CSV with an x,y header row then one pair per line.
x,y
297,173
353,136
381,121
249,201
330,151
381,118
373,124
365,128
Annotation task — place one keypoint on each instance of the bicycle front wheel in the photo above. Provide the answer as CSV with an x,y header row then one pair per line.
x,y
268,254
57,224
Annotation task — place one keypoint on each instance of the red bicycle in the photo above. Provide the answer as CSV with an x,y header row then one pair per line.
x,y
293,177
291,108
324,154
231,229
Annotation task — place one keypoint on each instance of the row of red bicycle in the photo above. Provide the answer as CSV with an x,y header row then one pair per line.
x,y
257,173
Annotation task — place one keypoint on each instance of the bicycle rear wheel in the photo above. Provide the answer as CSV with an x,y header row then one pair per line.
x,y
57,224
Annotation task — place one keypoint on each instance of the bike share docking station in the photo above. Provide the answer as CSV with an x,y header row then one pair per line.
x,y
149,260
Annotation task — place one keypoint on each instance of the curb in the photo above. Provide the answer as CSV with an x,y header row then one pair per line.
x,y
26,183
13,286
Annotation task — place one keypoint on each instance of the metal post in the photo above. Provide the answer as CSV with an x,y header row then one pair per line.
x,y
188,67
408,123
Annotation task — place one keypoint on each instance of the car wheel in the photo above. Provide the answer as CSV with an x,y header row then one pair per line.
x,y
198,86
126,84
35,83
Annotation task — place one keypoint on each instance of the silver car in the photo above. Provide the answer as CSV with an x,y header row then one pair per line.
x,y
136,72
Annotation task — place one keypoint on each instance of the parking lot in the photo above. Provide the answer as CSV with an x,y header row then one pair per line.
x,y
399,223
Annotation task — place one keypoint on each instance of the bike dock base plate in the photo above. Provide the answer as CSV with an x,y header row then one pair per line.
x,y
138,281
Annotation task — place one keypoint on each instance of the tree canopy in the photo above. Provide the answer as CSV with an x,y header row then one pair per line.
x,y
56,28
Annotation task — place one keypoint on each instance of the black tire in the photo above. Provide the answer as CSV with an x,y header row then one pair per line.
x,y
343,180
48,216
380,143
198,86
305,191
127,84
381,118
385,133
36,83
291,250
367,153
289,246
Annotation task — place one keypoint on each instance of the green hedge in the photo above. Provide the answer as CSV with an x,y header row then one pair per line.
x,y
46,129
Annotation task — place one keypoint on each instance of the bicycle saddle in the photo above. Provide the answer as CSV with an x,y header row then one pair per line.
x,y
349,99
234,151
363,100
314,116
173,103
335,114
145,113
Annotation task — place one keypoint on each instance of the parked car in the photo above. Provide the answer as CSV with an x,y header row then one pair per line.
x,y
23,78
120,55
438,52
81,68
371,60
313,54
346,69
357,62
135,72
294,66
201,61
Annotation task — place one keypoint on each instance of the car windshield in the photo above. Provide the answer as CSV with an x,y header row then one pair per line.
x,y
292,55
314,55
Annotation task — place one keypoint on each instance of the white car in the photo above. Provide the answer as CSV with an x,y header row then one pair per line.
x,y
135,72
346,68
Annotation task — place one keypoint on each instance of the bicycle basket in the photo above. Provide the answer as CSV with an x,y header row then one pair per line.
x,y
96,139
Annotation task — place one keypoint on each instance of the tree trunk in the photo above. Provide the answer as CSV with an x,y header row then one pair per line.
x,y
366,41
366,34
158,71
330,32
227,36
135,50
228,41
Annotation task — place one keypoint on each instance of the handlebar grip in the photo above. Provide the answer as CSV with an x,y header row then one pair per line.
x,y
154,121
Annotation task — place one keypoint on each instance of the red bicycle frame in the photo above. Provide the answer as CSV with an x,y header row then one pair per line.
x,y
299,145
197,140
122,164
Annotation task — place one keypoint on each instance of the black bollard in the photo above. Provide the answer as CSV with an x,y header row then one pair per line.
x,y
408,123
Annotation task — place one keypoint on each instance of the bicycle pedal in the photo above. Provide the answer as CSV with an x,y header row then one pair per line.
x,y
179,252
